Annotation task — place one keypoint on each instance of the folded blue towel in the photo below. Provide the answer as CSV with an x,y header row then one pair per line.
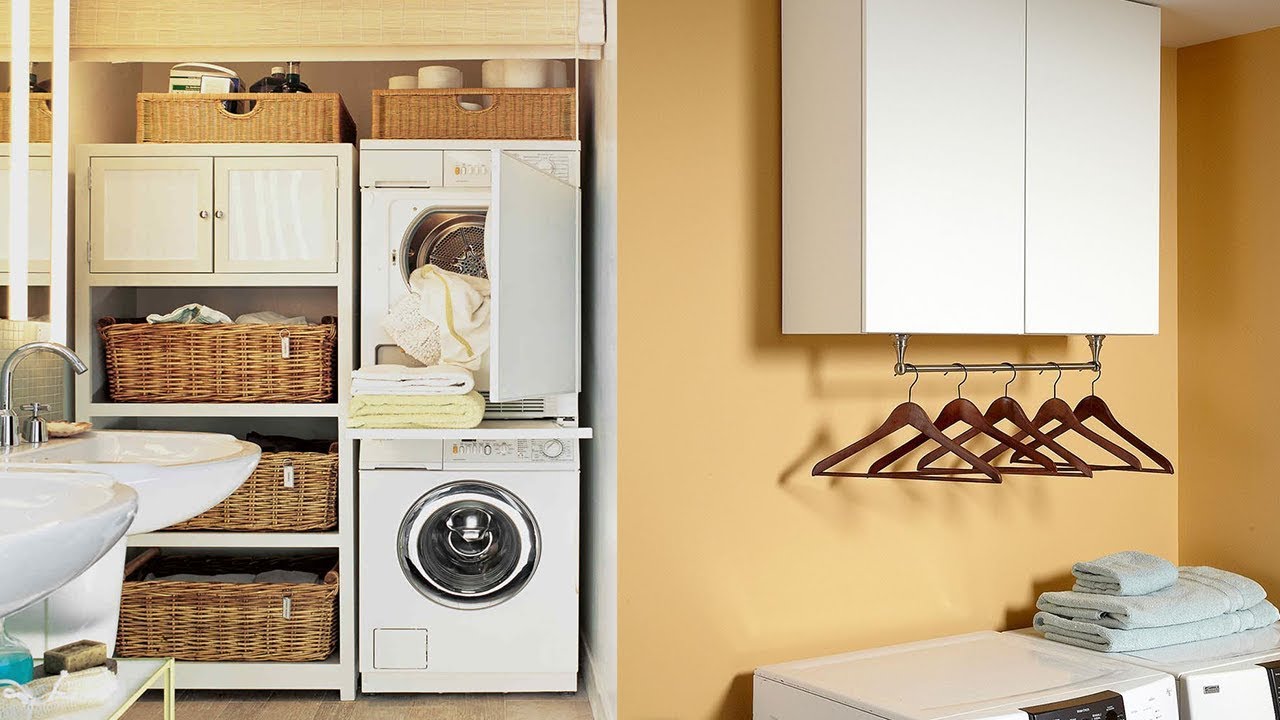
x,y
1124,573
1200,593
1095,637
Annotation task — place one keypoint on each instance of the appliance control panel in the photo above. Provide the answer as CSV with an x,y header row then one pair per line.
x,y
563,165
466,168
1102,706
510,451
1273,682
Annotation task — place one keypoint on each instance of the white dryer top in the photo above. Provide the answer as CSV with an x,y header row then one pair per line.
x,y
981,675
1254,646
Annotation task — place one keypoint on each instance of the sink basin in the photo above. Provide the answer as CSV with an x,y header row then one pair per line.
x,y
68,520
177,475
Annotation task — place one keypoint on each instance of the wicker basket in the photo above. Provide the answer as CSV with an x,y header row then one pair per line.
x,y
516,114
228,622
41,127
180,362
275,118
288,492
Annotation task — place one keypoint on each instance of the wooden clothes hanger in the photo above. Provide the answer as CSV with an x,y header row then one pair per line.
x,y
1094,407
909,414
961,410
1055,409
1006,409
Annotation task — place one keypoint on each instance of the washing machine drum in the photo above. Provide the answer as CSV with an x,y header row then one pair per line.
x,y
449,239
469,545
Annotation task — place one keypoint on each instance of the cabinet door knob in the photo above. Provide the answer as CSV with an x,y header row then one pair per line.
x,y
204,214
219,214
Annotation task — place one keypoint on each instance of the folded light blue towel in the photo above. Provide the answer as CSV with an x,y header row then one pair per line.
x,y
1124,573
1095,637
1199,593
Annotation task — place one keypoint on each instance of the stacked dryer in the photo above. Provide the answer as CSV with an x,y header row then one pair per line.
x,y
468,541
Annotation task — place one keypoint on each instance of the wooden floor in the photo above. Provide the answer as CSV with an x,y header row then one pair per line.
x,y
300,705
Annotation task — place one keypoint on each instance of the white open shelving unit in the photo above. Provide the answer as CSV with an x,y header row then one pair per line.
x,y
131,294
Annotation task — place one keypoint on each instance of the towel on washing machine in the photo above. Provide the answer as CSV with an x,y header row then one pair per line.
x,y
421,411
1199,593
1092,636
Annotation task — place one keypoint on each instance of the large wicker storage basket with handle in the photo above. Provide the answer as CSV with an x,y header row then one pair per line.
x,y
516,114
288,492
225,621
274,118
182,362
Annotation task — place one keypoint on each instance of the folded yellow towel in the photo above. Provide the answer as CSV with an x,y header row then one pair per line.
x,y
412,411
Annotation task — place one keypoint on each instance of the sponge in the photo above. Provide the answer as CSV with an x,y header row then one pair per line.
x,y
75,657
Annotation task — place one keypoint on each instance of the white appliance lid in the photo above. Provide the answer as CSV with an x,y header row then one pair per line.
x,y
1260,645
955,676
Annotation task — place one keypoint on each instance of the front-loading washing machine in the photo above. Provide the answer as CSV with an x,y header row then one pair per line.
x,y
506,211
981,676
468,565
1236,677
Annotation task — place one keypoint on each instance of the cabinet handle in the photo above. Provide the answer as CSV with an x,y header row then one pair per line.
x,y
219,214
204,214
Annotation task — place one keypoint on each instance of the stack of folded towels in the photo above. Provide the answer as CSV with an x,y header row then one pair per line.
x,y
395,396
1133,601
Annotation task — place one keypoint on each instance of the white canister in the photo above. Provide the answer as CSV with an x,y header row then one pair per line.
x,y
439,76
514,73
402,82
472,106
557,74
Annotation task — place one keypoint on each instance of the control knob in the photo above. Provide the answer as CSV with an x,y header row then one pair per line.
x,y
553,448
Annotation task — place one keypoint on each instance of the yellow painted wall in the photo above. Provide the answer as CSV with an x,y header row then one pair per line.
x,y
1229,215
730,555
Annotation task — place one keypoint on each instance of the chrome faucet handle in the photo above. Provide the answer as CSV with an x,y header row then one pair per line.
x,y
37,428
9,428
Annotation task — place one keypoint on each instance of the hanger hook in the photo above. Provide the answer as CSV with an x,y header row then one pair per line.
x,y
1093,386
912,386
963,381
1057,367
1013,369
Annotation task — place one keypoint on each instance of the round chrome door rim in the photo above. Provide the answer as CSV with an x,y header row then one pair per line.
x,y
487,495
463,216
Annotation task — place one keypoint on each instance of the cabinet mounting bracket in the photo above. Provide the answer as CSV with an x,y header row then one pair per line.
x,y
902,367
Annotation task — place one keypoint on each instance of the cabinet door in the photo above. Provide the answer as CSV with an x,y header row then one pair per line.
x,y
943,163
151,214
39,220
532,253
1093,167
276,214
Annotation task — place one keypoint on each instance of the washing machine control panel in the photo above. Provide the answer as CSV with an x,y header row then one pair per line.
x,y
510,451
1102,706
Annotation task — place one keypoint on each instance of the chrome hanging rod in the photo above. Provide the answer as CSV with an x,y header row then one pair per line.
x,y
902,367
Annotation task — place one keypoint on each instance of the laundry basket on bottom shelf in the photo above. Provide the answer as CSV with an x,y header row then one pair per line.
x,y
226,621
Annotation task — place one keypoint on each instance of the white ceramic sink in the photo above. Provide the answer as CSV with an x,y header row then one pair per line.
x,y
177,475
54,526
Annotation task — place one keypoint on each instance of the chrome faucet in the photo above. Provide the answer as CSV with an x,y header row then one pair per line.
x,y
9,435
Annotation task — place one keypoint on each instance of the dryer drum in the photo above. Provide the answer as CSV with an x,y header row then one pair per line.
x,y
449,239
469,545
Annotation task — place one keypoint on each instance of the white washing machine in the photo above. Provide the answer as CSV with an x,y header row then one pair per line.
x,y
468,565
507,211
1226,678
981,676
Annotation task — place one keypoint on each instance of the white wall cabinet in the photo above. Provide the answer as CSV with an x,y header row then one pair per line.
x,y
39,218
160,213
970,166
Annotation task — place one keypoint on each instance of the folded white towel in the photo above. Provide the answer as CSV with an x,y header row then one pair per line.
x,y
459,306
268,317
239,578
402,380
293,577
191,313
1199,593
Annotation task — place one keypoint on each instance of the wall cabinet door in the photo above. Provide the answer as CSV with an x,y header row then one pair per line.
x,y
276,214
151,214
1093,167
39,218
532,256
944,111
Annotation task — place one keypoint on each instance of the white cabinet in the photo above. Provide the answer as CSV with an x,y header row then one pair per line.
x,y
39,219
275,214
943,159
165,213
1093,167
151,214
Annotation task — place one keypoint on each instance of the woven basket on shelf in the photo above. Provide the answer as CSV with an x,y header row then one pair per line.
x,y
181,362
275,118
41,118
228,622
516,114
288,492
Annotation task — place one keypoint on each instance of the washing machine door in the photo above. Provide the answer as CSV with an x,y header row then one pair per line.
x,y
450,238
469,545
